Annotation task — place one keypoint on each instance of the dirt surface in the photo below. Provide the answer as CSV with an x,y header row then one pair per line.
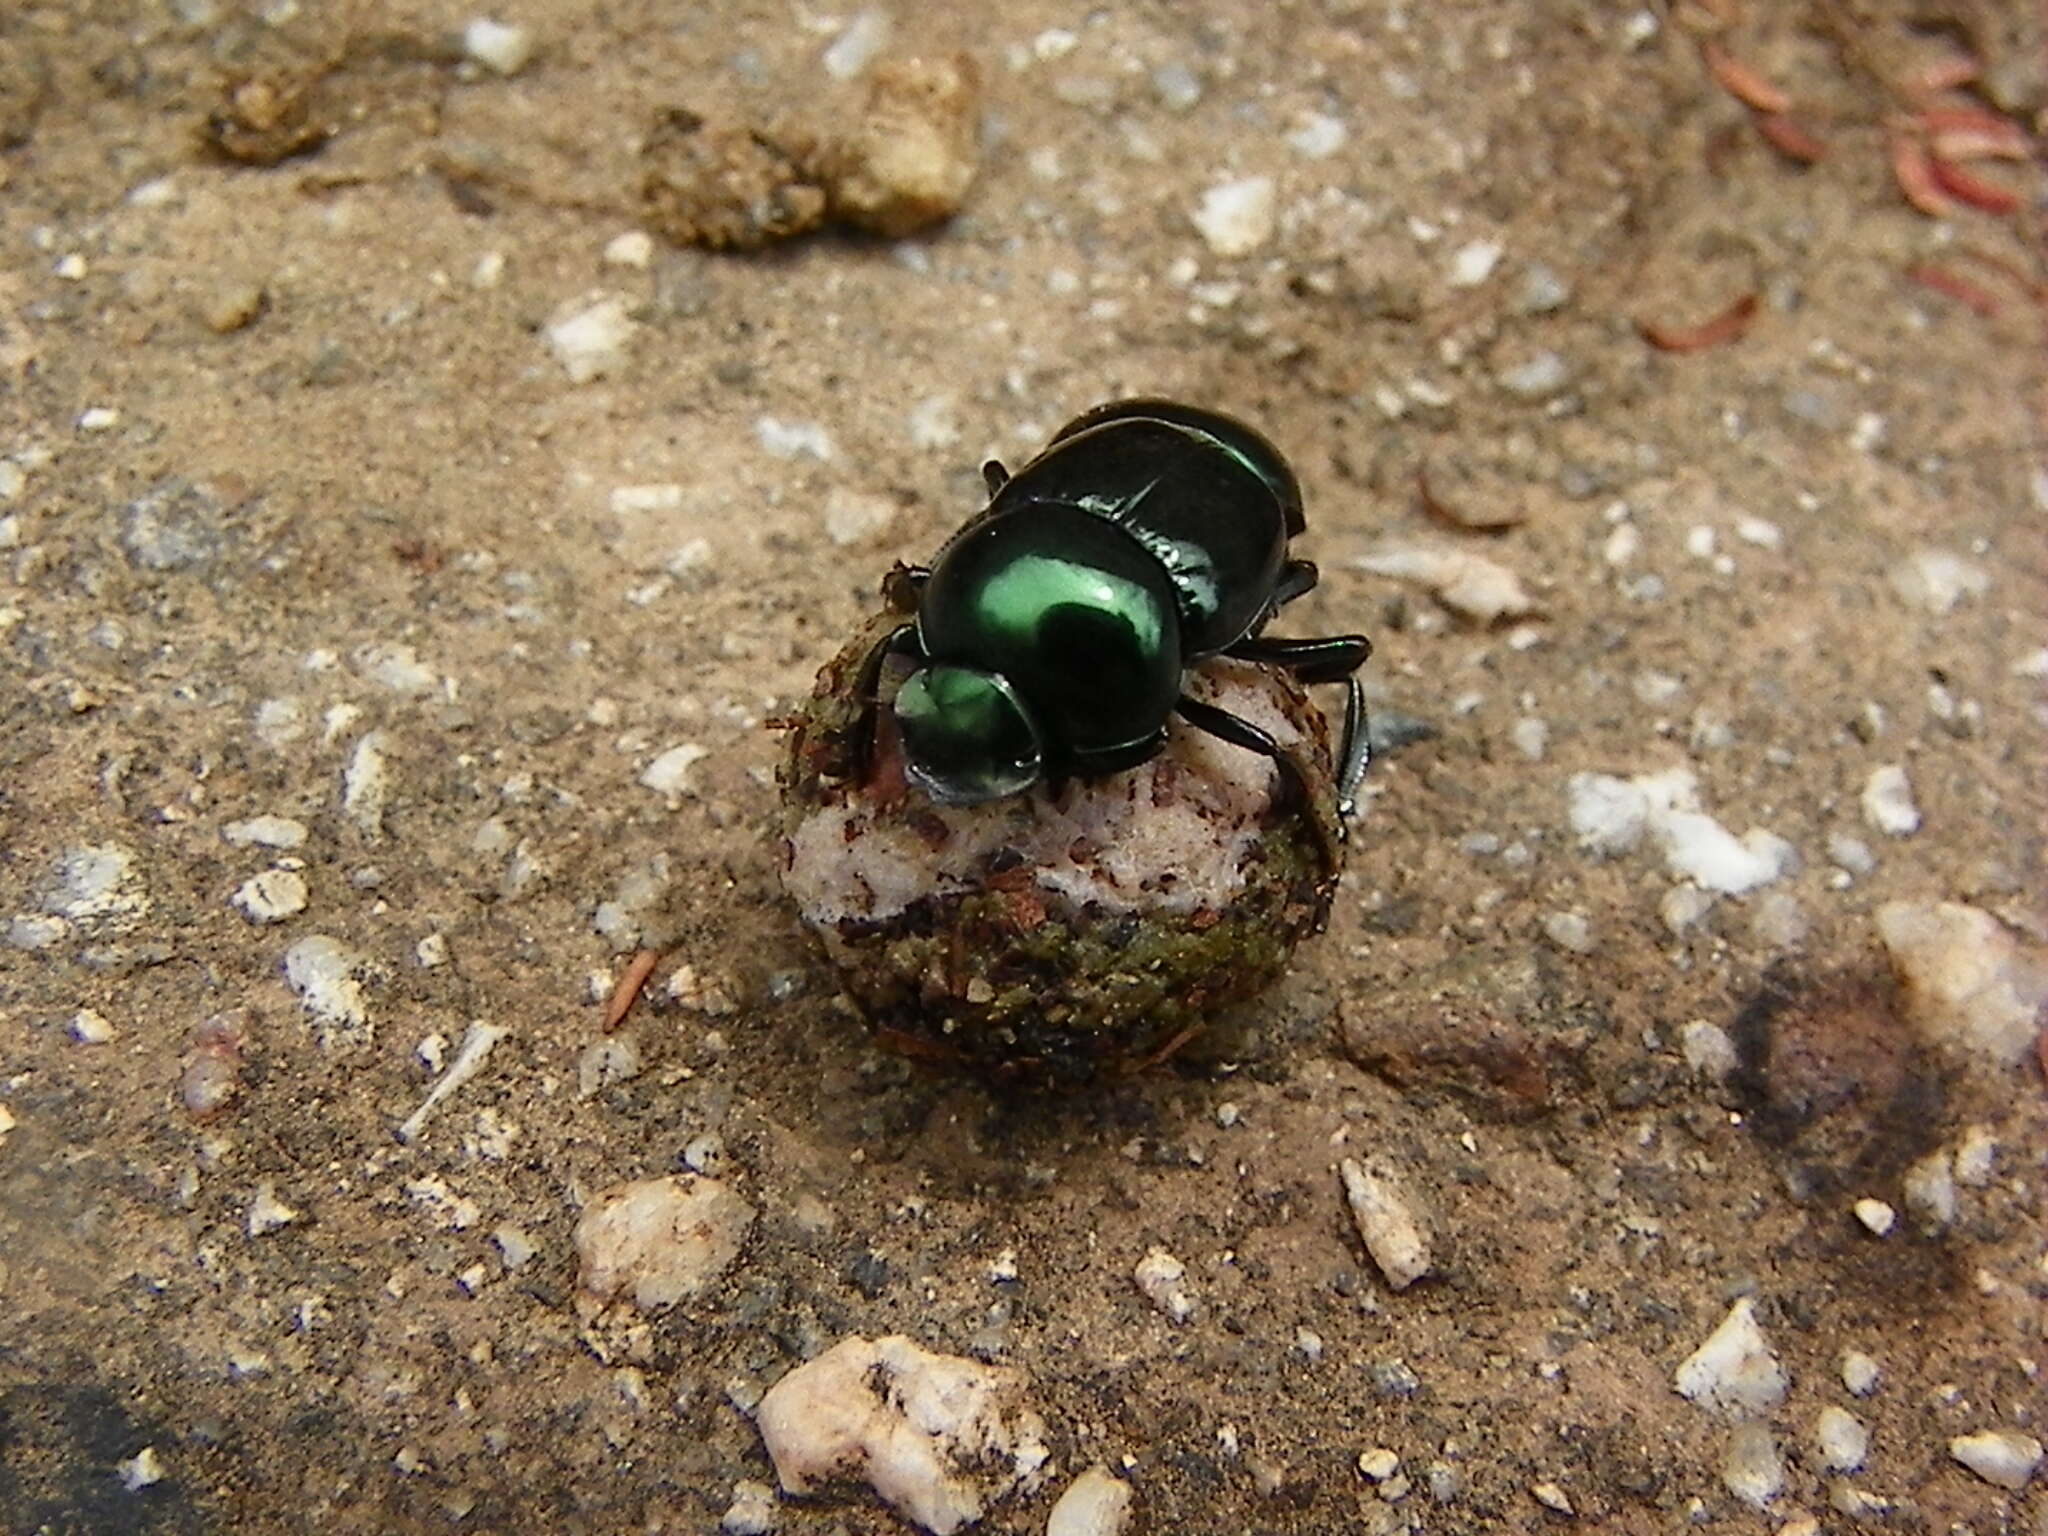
x,y
304,519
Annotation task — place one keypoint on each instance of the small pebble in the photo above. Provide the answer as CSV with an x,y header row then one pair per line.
x,y
98,418
265,832
859,43
1976,1154
1553,1497
232,306
1393,1234
1752,1469
1842,1438
1708,1050
1473,264
1968,989
633,249
141,1470
1569,931
669,773
90,1028
1851,853
1888,802
1934,580
2000,1457
1930,1190
1531,737
659,1241
267,1213
589,336
1877,1217
1541,291
1236,218
502,49
1162,1279
1379,1464
1095,1504
1860,1373
752,1511
1735,1370
1537,378
272,896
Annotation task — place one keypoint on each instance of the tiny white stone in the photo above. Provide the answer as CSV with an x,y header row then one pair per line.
x,y
589,336
1851,853
90,1028
1735,1370
1317,135
629,500
500,48
1860,1373
1930,1190
1379,1464
1537,378
1569,931
1708,1050
1531,737
141,1470
489,270
634,249
1935,580
660,1241
1968,989
1888,802
98,418
1235,218
793,439
1842,1438
1473,263
1976,1153
1162,1279
72,268
324,973
1876,1216
272,896
1753,1470
265,832
1481,589
752,1511
431,951
1393,1233
1757,531
1552,1496
365,785
1095,1504
858,44
669,774
2000,1457
515,1246
267,1213
1622,544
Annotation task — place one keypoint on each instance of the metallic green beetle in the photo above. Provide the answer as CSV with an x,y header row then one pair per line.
x,y
1052,631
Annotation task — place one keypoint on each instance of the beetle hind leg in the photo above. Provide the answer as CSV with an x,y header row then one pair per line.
x,y
1240,732
1326,659
901,640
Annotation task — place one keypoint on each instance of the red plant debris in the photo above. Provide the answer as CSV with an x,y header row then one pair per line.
x,y
1724,327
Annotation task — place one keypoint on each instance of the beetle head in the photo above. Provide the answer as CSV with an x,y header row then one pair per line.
x,y
967,736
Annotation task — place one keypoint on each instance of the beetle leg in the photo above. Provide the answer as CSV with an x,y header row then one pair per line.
x,y
994,476
1240,732
865,682
1326,659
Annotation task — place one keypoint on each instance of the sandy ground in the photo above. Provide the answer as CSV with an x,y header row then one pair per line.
x,y
303,519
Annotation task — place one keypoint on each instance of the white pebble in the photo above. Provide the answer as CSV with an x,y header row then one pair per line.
x,y
1379,1464
2000,1457
1552,1496
90,1028
1735,1370
1235,218
272,896
1860,1373
366,785
98,418
1976,1153
1755,530
1752,1469
1481,589
502,49
1708,1050
793,439
1877,1217
141,1470
1968,989
659,1241
1888,802
1683,907
589,336
858,44
1934,580
1851,853
1538,378
267,1213
265,832
1531,737
634,249
669,773
1842,1438
1393,1234
1095,1504
1162,1279
940,1438
1930,1190
1317,135
1569,931
752,1511
1473,264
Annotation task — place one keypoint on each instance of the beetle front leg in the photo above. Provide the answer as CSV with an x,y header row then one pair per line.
x,y
1239,732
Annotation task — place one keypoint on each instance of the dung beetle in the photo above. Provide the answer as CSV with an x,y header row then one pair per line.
x,y
1052,631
